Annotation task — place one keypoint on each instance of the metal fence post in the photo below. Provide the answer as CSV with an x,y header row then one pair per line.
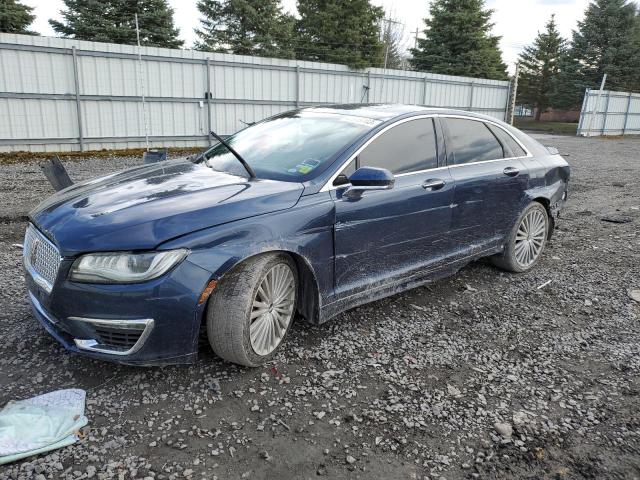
x,y
514,95
471,98
297,86
604,115
583,112
78,106
595,108
506,107
424,91
626,114
369,86
207,66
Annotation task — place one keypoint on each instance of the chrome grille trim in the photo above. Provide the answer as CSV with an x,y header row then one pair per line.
x,y
143,326
41,258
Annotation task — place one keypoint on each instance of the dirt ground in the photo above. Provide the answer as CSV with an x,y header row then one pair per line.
x,y
482,375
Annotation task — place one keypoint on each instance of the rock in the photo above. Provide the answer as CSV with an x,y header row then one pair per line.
x,y
264,454
350,460
453,391
634,295
520,418
504,429
91,471
188,472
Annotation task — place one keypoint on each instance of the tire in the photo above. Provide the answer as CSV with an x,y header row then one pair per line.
x,y
516,258
240,295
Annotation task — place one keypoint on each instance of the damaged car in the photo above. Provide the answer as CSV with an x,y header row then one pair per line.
x,y
300,216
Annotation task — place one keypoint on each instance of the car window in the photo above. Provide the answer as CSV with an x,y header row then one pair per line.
x,y
408,147
508,142
294,146
472,141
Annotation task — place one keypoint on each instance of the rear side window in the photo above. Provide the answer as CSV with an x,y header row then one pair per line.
x,y
472,141
408,147
515,150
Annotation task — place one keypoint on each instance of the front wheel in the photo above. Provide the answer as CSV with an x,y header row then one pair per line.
x,y
251,310
526,241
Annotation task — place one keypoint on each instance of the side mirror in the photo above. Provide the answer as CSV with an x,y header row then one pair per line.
x,y
369,178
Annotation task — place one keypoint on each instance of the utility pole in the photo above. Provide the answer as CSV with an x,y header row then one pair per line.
x,y
141,80
415,41
387,38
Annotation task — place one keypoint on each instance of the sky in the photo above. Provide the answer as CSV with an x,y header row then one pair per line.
x,y
516,21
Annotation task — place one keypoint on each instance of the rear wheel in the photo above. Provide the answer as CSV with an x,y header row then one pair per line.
x,y
526,241
251,310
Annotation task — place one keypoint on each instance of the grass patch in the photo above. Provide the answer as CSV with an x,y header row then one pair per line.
x,y
25,157
557,128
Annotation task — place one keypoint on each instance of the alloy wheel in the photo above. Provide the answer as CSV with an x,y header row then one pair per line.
x,y
530,237
272,309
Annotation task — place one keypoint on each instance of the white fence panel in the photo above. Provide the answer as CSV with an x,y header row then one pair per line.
x,y
609,113
60,94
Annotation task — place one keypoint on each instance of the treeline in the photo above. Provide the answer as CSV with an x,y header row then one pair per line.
x,y
349,32
456,40
555,72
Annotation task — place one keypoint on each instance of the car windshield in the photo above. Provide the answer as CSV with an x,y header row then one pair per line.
x,y
294,147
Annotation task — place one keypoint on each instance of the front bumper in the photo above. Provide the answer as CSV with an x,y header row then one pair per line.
x,y
152,323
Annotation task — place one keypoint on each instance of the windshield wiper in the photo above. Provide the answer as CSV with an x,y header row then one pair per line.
x,y
244,163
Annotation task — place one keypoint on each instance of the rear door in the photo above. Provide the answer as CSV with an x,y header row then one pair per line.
x,y
392,233
490,179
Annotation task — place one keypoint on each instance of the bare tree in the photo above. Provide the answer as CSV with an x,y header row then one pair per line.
x,y
395,44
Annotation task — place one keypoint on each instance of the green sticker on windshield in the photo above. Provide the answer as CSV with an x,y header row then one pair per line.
x,y
305,167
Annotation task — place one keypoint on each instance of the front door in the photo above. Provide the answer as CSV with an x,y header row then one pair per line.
x,y
388,234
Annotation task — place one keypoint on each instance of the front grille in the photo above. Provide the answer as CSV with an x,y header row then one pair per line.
x,y
41,258
118,338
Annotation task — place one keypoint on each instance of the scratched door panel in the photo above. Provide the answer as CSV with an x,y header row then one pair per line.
x,y
391,233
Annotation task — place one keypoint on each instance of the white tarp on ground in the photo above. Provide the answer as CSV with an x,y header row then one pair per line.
x,y
40,424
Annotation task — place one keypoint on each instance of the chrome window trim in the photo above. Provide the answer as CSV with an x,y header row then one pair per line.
x,y
92,345
328,186
420,171
463,117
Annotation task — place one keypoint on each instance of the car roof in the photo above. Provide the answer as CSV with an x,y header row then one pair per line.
x,y
384,111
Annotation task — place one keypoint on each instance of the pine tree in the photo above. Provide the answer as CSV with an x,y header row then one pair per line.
x,y
245,27
15,17
539,65
114,21
607,41
337,31
458,41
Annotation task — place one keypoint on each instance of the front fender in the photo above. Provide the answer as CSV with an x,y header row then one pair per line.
x,y
305,231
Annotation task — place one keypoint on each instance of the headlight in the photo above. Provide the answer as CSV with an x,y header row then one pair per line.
x,y
119,267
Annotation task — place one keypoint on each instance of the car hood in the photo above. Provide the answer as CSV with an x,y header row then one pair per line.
x,y
145,206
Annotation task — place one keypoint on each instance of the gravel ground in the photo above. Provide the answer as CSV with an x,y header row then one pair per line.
x,y
482,375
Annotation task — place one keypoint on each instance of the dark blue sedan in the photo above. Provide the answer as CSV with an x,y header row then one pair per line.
x,y
305,214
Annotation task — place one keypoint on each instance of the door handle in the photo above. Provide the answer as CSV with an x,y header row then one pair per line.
x,y
511,171
433,184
